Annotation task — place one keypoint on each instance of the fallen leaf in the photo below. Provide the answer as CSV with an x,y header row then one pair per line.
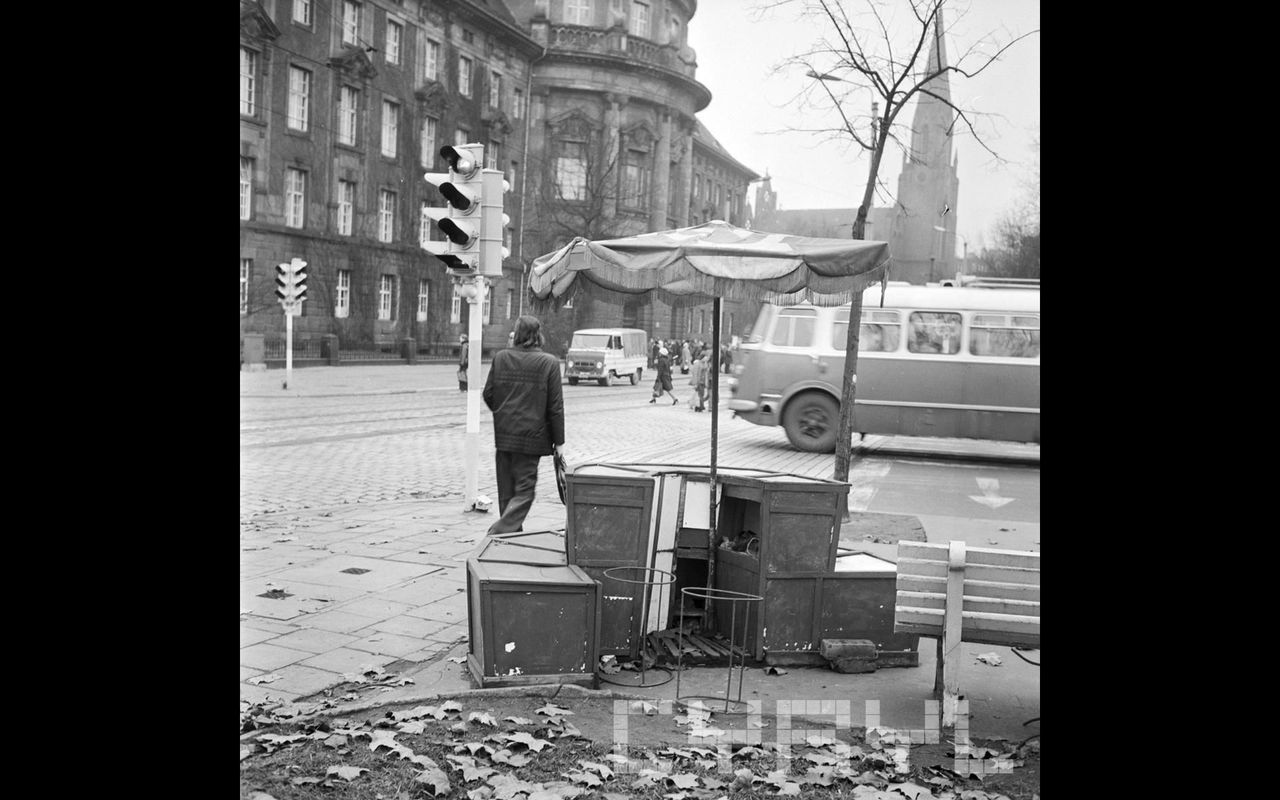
x,y
412,727
585,778
990,658
702,733
684,780
483,718
435,780
602,770
347,773
518,720
913,791
643,707
529,741
308,781
458,659
775,671
552,710
245,752
273,677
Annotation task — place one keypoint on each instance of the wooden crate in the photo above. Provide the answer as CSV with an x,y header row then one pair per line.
x,y
531,623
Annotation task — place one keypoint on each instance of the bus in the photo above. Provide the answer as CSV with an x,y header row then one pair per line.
x,y
956,359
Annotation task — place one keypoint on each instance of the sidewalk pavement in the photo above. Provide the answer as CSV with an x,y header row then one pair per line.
x,y
328,592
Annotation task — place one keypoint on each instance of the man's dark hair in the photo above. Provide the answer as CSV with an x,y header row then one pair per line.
x,y
528,332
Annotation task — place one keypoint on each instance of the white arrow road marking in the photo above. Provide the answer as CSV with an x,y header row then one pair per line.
x,y
861,480
990,493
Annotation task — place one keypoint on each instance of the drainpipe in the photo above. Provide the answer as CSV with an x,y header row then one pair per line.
x,y
524,170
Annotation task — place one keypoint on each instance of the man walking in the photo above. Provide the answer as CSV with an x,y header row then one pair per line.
x,y
524,393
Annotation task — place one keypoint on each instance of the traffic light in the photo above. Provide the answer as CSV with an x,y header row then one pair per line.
x,y
463,189
493,223
291,282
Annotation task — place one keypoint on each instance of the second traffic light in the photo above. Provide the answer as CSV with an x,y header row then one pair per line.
x,y
461,221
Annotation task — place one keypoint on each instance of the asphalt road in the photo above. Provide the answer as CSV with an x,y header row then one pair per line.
x,y
367,438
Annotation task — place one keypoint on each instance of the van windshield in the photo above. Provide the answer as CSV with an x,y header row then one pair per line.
x,y
591,341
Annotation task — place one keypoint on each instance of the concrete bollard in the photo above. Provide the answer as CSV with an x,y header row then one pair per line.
x,y
255,350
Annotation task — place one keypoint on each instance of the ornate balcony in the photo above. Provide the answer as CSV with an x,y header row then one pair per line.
x,y
617,43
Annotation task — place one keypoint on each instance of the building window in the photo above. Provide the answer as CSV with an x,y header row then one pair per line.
x,y
455,310
348,105
386,215
640,19
342,304
386,285
395,34
350,22
430,64
636,175
346,206
248,80
429,127
461,136
246,270
511,303
425,225
491,155
246,187
299,97
617,11
674,35
295,196
495,90
390,127
571,171
468,37
302,11
517,103
577,12
486,312
541,7
424,290
464,76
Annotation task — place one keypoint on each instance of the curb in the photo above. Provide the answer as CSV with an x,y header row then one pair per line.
x,y
548,690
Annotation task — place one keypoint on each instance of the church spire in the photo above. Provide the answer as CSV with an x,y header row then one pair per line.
x,y
941,86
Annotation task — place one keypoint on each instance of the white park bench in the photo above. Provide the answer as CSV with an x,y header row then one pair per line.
x,y
954,595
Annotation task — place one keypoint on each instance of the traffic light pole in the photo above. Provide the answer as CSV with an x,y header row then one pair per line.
x,y
473,289
288,346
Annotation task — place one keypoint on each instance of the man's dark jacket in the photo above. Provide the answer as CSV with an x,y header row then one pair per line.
x,y
524,393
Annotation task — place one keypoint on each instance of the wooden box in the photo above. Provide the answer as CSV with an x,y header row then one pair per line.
x,y
531,623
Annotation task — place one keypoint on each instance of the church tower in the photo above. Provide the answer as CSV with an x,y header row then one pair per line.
x,y
923,241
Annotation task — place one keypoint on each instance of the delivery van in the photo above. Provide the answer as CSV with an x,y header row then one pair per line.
x,y
607,355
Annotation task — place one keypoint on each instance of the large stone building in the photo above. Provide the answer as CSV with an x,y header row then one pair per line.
x,y
920,228
588,106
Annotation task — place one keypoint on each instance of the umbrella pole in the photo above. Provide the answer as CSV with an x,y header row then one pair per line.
x,y
714,379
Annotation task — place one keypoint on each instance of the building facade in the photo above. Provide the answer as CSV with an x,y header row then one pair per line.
x,y
343,106
588,107
617,147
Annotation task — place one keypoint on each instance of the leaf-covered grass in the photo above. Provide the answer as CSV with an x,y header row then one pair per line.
x,y
530,749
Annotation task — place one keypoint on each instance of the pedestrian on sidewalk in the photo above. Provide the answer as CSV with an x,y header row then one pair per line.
x,y
698,379
464,360
524,393
662,384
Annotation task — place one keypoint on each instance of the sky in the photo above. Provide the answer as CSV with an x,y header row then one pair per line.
x,y
739,45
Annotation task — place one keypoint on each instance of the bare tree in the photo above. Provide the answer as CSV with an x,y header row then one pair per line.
x,y
880,65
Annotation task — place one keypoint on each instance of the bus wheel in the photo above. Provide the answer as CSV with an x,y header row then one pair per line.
x,y
812,422
635,377
573,381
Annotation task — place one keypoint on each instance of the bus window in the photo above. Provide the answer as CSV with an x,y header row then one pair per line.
x,y
934,332
756,334
794,327
879,332
1005,336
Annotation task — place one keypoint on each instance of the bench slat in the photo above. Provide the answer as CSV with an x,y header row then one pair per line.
x,y
927,551
981,572
986,605
1022,629
1003,591
976,637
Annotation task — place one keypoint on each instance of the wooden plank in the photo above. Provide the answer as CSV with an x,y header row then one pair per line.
x,y
1001,638
986,556
987,605
974,623
1003,591
709,647
937,569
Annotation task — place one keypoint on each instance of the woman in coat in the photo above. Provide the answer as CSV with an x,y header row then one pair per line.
x,y
663,382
